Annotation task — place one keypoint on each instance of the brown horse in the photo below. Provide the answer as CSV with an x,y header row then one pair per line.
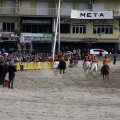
x,y
62,66
105,72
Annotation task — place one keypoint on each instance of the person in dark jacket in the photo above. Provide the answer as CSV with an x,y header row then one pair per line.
x,y
11,71
4,73
115,58
1,73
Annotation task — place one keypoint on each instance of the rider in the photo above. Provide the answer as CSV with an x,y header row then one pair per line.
x,y
87,58
62,58
94,58
105,63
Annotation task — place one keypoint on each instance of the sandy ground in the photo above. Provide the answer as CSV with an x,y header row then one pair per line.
x,y
44,95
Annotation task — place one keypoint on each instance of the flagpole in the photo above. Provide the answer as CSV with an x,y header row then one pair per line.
x,y
55,33
59,31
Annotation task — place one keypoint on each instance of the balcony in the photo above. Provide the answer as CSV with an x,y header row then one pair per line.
x,y
42,11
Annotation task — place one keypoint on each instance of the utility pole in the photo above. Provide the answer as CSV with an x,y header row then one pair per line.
x,y
56,27
59,29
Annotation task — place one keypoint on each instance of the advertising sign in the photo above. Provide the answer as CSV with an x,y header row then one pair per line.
x,y
35,37
11,36
91,14
116,28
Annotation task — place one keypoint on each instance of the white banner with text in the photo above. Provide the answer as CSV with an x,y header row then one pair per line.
x,y
91,15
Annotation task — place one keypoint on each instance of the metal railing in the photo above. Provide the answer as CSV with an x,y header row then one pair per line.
x,y
43,11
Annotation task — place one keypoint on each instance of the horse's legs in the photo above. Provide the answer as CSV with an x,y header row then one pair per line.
x,y
63,71
108,76
60,71
94,73
103,76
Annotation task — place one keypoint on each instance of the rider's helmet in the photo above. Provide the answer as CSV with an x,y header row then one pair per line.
x,y
62,58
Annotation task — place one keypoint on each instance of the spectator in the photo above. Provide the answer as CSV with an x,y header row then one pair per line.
x,y
112,51
82,54
66,49
108,50
1,73
115,58
100,52
11,71
6,78
74,52
3,50
78,53
63,50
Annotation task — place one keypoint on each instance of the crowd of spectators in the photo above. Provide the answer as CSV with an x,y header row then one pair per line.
x,y
7,60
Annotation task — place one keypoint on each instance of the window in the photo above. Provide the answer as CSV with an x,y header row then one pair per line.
x,y
103,29
10,3
36,28
79,29
42,8
66,8
64,28
98,7
25,4
8,27
83,6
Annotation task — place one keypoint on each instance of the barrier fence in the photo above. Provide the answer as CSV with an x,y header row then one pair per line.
x,y
21,66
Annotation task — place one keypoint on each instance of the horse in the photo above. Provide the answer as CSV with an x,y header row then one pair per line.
x,y
62,66
55,66
105,72
94,68
86,67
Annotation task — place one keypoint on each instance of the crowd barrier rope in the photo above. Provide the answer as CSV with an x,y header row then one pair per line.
x,y
22,66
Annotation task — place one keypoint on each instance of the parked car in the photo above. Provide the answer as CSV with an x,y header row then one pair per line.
x,y
96,51
69,52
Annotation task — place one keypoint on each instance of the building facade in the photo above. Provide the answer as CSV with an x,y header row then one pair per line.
x,y
37,18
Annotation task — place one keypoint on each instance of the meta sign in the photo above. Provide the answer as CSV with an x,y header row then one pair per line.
x,y
91,15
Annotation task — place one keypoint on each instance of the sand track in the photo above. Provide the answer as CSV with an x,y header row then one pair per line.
x,y
44,95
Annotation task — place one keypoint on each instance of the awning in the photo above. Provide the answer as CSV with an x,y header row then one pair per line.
x,y
92,40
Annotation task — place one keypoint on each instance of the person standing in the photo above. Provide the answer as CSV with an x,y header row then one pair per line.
x,y
74,52
112,51
115,58
11,71
78,53
1,73
109,51
66,49
63,50
100,52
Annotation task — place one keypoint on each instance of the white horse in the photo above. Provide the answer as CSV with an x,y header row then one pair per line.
x,y
94,68
55,67
86,67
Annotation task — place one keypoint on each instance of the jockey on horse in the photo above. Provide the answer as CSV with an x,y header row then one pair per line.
x,y
105,64
62,65
94,65
94,59
87,58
